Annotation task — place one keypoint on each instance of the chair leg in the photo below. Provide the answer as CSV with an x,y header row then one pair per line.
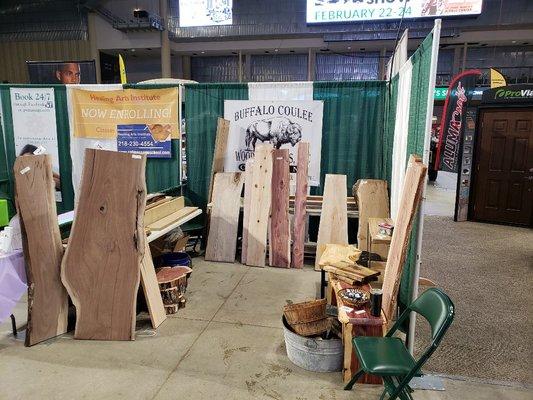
x,y
354,379
401,392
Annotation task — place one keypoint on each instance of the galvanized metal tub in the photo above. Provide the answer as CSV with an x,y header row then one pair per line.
x,y
313,354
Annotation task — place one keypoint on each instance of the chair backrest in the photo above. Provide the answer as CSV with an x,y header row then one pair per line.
x,y
437,308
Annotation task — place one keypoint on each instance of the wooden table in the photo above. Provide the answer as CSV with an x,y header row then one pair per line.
x,y
354,323
375,238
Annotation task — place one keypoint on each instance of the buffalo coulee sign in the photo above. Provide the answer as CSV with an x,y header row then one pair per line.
x,y
281,123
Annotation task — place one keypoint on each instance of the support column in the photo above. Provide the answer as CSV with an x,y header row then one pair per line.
x,y
465,51
382,64
186,62
456,61
311,65
247,67
241,70
166,68
95,54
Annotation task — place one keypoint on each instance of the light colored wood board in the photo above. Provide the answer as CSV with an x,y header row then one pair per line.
x,y
409,202
373,202
151,289
260,210
300,204
170,219
222,239
339,255
221,143
333,227
43,249
375,236
102,263
248,175
161,211
280,243
157,203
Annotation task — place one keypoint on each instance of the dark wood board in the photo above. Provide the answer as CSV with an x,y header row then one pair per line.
x,y
280,243
101,267
43,250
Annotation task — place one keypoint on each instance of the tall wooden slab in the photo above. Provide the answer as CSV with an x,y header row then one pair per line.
x,y
222,240
43,251
221,143
101,266
280,234
415,176
260,200
333,227
300,203
156,309
372,199
248,174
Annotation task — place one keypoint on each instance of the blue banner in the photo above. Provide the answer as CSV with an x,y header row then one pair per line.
x,y
143,139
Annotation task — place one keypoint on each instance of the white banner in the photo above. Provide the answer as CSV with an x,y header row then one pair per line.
x,y
34,125
282,123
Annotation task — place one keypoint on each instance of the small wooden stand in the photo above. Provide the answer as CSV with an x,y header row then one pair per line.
x,y
354,324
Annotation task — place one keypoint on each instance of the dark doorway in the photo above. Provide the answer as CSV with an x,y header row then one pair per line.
x,y
503,183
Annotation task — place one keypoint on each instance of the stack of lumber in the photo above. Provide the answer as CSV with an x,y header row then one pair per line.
x,y
315,202
341,260
165,212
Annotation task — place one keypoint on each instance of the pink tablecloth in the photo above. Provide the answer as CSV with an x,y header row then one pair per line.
x,y
12,282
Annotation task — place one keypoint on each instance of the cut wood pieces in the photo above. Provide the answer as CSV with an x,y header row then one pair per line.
x,y
337,255
43,251
222,240
151,289
280,234
248,174
101,266
300,204
221,143
333,226
260,199
410,199
373,202
160,211
170,219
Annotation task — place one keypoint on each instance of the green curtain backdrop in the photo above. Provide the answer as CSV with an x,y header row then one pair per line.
x,y
204,103
161,174
421,61
351,129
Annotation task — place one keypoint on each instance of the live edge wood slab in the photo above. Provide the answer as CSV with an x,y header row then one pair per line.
x,y
280,234
43,251
101,266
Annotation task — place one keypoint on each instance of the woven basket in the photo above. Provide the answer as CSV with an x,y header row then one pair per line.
x,y
305,312
313,328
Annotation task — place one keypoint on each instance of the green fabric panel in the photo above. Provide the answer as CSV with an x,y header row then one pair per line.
x,y
204,103
421,61
391,102
351,129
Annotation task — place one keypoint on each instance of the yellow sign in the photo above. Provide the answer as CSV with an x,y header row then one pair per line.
x,y
122,68
496,79
97,113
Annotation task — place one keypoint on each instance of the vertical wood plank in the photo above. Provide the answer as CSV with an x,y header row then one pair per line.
x,y
409,202
300,204
221,143
333,226
260,201
248,175
43,251
156,309
222,240
280,243
101,266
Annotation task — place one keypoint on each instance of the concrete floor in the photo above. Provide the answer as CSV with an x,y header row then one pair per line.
x,y
226,344
440,195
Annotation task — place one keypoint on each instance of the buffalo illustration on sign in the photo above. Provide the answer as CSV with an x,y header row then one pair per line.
x,y
277,131
282,124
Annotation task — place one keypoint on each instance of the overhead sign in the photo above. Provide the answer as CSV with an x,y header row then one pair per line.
x,y
509,94
281,123
205,12
324,11
97,114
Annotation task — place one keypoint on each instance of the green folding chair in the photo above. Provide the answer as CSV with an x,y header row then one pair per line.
x,y
389,358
